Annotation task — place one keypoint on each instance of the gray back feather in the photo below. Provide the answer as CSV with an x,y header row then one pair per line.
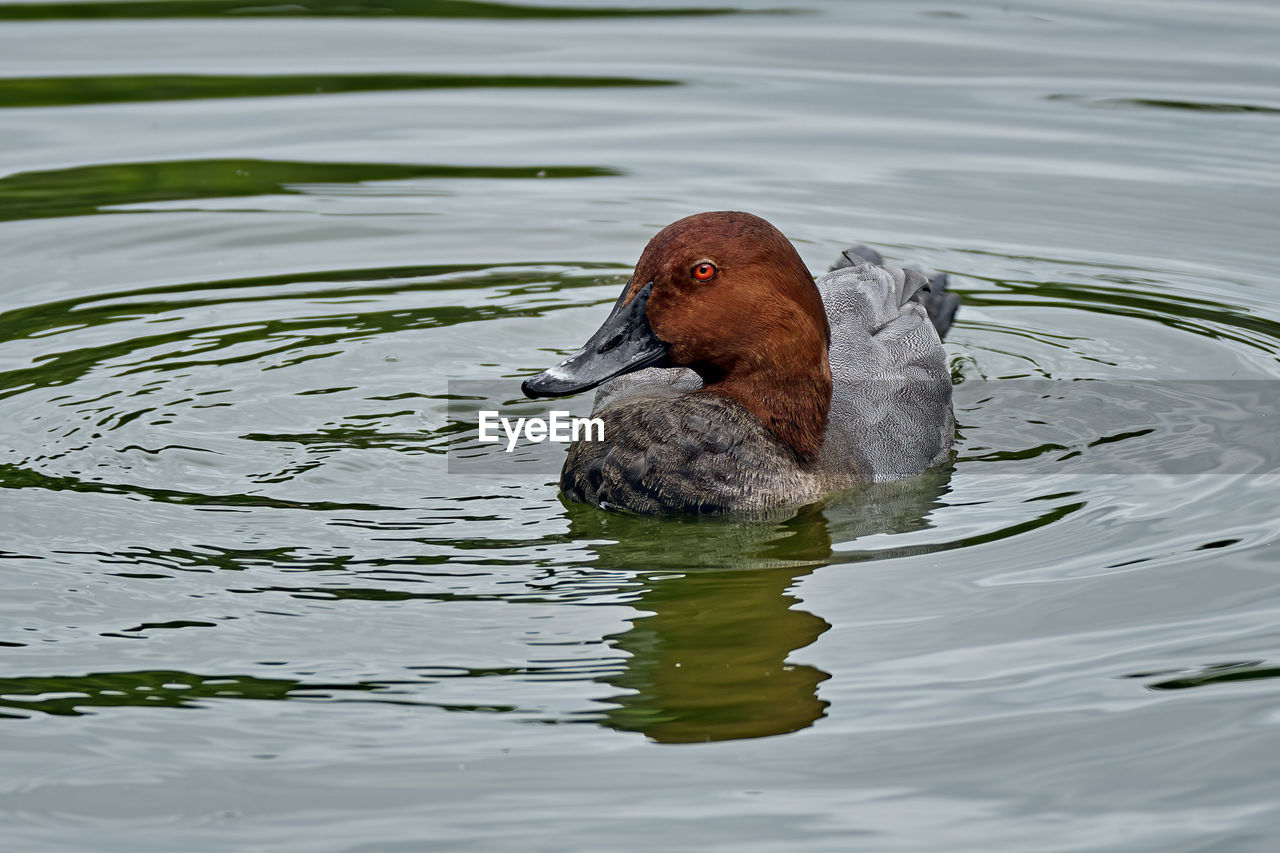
x,y
891,389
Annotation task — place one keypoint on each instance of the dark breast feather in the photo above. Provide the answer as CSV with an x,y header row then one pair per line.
x,y
696,453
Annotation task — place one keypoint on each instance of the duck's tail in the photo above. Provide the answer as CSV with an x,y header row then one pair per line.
x,y
940,303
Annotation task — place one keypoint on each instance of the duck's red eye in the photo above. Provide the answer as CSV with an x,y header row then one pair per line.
x,y
704,271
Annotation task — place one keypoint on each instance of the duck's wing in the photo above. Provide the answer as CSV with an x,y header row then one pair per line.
x,y
940,303
891,386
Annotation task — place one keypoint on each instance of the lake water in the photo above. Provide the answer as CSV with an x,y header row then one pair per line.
x,y
245,604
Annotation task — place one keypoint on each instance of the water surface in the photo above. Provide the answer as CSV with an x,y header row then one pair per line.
x,y
245,605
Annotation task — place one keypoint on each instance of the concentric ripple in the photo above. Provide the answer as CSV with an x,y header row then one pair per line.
x,y
258,257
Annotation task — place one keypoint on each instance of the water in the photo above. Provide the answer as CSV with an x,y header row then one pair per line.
x,y
244,605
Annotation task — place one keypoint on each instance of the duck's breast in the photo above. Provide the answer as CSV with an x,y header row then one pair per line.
x,y
669,452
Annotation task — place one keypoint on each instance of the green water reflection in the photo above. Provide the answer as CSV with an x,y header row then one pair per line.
x,y
710,655
131,88
1214,674
75,695
345,9
711,661
1164,104
85,190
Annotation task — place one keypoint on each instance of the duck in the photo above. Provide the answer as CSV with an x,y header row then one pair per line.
x,y
731,382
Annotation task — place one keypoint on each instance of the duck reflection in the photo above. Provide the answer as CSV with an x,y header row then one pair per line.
x,y
709,651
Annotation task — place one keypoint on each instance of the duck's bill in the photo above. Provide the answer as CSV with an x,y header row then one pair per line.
x,y
624,343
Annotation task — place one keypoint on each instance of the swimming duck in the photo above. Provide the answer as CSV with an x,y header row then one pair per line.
x,y
731,383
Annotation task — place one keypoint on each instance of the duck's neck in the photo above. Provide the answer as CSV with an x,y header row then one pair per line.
x,y
792,406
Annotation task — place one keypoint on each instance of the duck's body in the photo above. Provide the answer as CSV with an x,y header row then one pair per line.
x,y
782,390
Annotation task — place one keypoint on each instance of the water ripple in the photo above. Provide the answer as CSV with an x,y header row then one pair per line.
x,y
112,9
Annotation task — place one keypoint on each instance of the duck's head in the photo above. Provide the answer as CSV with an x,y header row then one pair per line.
x,y
726,294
